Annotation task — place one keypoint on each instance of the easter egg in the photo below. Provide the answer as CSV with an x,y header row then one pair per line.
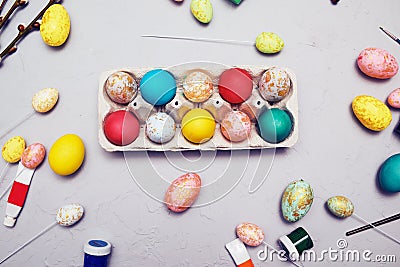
x,y
274,84
371,112
198,126
69,214
55,25
13,149
202,10
274,125
296,200
121,127
44,100
67,154
236,126
235,85
377,63
340,206
394,98
121,87
183,192
197,86
160,127
389,174
158,87
250,234
33,155
269,43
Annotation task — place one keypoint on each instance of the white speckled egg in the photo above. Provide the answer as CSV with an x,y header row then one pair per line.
x,y
121,87
183,192
197,86
340,206
160,127
274,84
250,234
69,214
236,126
44,100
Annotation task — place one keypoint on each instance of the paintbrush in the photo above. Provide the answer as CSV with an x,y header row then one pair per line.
x,y
391,35
374,224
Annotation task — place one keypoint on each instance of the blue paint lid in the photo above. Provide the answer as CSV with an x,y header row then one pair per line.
x,y
97,247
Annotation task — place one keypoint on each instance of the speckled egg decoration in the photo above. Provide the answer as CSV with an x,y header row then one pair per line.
x,y
340,206
55,26
394,98
296,200
202,10
250,234
13,149
377,63
183,192
45,100
69,214
269,43
236,126
33,155
371,112
121,87
197,86
160,127
274,84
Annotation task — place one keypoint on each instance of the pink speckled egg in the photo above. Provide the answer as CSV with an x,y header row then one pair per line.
x,y
236,126
182,192
250,234
377,63
394,98
33,155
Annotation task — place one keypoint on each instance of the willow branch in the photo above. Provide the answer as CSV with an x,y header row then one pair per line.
x,y
17,4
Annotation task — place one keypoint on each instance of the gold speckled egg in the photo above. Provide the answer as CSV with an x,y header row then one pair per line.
x,y
269,43
55,25
340,206
202,10
44,100
296,200
371,112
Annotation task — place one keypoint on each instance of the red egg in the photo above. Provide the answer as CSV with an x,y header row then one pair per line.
x,y
235,85
183,191
33,155
121,127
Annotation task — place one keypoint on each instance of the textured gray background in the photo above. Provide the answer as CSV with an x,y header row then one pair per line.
x,y
334,153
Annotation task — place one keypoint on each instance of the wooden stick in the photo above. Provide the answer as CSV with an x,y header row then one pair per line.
x,y
374,224
23,31
17,4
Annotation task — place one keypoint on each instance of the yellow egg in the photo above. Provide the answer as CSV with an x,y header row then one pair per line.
x,y
202,10
55,25
198,126
13,149
67,154
269,43
371,112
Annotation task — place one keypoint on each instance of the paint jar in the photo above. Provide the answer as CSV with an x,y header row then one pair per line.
x,y
295,243
96,253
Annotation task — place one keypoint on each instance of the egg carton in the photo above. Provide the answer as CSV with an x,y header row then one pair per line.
x,y
179,106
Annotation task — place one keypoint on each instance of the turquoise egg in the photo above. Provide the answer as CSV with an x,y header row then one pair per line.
x,y
158,87
296,200
274,125
389,174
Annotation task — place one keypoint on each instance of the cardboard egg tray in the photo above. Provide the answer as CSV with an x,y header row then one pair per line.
x,y
178,107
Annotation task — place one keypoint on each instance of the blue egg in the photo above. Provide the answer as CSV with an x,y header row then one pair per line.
x,y
158,87
389,174
274,125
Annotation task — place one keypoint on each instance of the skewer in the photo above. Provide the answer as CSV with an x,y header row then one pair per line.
x,y
199,39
